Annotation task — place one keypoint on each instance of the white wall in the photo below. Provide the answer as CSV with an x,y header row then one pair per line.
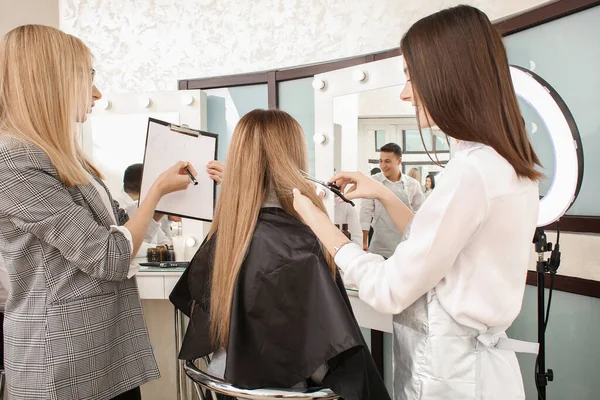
x,y
146,45
384,103
14,13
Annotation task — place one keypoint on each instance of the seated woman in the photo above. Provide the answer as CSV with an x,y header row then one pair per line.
x,y
261,292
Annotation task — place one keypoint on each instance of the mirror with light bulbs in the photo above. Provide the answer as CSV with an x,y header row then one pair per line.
x,y
364,104
373,118
114,135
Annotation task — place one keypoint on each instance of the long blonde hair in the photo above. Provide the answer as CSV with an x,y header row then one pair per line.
x,y
266,153
45,90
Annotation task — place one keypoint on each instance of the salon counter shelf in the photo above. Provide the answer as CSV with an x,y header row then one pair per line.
x,y
366,316
157,283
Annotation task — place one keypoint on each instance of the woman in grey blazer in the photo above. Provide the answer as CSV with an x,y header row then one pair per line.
x,y
74,327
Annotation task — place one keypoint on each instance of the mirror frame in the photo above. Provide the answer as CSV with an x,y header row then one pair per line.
x,y
377,75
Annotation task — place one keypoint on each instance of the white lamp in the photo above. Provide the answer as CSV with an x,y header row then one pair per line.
x,y
318,84
568,153
359,76
187,100
104,104
145,102
319,138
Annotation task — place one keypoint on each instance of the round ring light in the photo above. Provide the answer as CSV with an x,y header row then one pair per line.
x,y
564,135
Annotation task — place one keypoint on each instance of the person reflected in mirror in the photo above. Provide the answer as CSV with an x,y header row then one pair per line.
x,y
159,231
429,184
372,213
415,174
345,213
262,293
371,231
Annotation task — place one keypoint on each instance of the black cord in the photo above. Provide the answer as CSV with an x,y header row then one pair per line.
x,y
550,289
553,264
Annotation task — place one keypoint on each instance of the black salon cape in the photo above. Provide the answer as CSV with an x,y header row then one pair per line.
x,y
289,315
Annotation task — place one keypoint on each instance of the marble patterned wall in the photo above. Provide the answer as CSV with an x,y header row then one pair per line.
x,y
146,45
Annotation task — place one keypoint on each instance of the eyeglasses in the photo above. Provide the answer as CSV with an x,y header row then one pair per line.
x,y
335,189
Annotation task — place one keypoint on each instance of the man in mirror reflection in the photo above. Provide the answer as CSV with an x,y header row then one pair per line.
x,y
159,231
386,237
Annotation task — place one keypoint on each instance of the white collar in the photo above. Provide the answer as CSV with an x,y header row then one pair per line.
x,y
463,148
402,178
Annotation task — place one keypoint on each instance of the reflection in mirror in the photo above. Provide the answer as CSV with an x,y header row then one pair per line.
x,y
371,119
119,140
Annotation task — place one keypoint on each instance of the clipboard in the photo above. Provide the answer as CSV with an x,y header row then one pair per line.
x,y
166,144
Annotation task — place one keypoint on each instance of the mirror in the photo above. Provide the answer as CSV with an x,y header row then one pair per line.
x,y
373,118
114,136
118,141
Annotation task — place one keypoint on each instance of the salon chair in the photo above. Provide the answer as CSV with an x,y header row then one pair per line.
x,y
203,381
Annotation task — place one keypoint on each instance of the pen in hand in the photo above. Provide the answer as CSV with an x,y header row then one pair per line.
x,y
194,181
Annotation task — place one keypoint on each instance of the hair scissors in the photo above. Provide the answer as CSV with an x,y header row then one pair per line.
x,y
331,186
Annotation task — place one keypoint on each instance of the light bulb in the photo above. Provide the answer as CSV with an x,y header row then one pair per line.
x,y
104,104
318,84
145,102
319,138
187,100
358,75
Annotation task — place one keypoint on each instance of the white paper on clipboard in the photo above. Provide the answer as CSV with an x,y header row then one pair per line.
x,y
166,144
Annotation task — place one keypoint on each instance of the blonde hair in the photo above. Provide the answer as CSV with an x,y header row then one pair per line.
x,y
415,174
45,90
266,153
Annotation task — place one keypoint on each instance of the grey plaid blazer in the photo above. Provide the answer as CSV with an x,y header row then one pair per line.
x,y
74,327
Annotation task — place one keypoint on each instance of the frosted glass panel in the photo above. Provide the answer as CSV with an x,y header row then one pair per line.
x,y
225,107
119,141
441,144
413,142
566,53
297,98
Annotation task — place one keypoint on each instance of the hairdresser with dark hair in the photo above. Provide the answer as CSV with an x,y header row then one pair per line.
x,y
457,283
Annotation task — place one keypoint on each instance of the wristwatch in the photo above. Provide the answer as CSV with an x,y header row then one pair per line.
x,y
337,248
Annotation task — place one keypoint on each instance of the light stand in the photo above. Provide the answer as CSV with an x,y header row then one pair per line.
x,y
566,182
549,266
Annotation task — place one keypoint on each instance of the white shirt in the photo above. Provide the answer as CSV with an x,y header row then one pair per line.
x,y
344,213
372,213
133,268
470,242
158,233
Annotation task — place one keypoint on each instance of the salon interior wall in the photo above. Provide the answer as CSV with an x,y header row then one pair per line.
x,y
14,13
147,45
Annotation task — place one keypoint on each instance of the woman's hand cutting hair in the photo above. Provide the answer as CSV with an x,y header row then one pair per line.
x,y
357,185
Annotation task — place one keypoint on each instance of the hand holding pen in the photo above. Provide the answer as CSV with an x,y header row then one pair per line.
x,y
176,178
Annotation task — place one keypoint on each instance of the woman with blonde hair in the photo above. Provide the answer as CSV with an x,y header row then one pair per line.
x,y
74,327
415,174
262,292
